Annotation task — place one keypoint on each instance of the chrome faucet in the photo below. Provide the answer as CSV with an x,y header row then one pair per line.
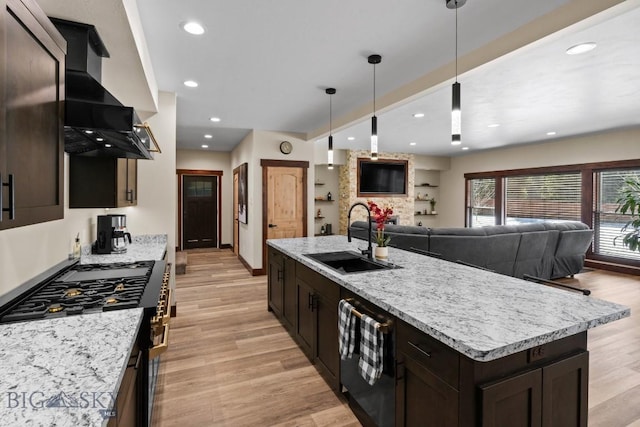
x,y
369,251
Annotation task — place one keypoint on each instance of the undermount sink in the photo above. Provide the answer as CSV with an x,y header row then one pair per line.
x,y
349,262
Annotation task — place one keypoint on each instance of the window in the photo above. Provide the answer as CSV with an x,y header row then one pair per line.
x,y
481,207
548,197
584,192
606,222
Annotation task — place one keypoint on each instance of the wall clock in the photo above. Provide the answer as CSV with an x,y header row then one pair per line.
x,y
286,147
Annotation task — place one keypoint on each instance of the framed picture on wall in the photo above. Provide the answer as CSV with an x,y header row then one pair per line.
x,y
242,193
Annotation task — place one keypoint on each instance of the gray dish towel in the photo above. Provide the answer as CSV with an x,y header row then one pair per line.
x,y
371,349
346,329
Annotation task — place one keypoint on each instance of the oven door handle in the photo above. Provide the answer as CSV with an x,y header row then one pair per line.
x,y
167,309
157,350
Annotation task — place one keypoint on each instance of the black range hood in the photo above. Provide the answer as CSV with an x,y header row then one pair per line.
x,y
96,123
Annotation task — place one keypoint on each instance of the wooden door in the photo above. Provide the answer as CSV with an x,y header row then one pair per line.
x,y
236,220
285,202
200,211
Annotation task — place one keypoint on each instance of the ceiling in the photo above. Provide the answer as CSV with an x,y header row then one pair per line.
x,y
265,65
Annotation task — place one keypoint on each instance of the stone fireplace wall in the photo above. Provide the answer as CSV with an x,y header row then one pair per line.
x,y
403,206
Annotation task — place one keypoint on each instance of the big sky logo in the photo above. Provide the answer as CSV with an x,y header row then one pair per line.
x,y
104,402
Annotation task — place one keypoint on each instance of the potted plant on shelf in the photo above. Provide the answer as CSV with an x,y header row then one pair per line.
x,y
629,203
381,216
432,202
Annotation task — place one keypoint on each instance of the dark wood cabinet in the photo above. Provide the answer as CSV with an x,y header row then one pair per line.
x,y
32,60
317,330
552,396
290,301
126,399
275,280
102,182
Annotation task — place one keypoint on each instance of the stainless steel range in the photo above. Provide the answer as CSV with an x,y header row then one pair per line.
x,y
83,289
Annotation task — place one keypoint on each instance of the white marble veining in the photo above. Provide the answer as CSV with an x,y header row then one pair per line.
x,y
64,371
148,247
481,314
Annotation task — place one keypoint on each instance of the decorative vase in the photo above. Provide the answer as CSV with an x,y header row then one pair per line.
x,y
381,252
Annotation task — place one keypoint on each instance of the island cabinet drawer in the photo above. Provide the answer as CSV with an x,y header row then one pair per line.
x,y
319,283
433,355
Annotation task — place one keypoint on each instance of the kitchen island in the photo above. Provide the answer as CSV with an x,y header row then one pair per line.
x,y
480,345
66,371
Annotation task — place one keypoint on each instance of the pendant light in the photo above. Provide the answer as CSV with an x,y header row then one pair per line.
x,y
456,113
330,91
374,59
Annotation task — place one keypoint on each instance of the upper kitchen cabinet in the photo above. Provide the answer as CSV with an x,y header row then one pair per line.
x,y
32,63
102,182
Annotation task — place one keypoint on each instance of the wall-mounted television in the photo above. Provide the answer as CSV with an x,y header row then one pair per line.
x,y
382,177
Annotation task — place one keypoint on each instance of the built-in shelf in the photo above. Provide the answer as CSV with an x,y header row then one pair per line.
x,y
319,183
318,235
426,185
422,214
319,217
324,200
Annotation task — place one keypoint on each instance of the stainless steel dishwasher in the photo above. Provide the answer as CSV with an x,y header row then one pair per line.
x,y
374,405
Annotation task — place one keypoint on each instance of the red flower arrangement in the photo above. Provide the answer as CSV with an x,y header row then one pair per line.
x,y
381,216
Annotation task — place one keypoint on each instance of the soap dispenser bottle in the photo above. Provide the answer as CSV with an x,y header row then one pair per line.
x,y
76,247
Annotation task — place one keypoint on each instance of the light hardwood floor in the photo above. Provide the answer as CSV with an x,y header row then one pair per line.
x,y
231,363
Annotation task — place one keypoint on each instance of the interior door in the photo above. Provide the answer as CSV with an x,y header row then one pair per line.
x,y
200,211
285,202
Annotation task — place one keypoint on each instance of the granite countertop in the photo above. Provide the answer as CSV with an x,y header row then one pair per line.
x,y
481,314
148,247
64,371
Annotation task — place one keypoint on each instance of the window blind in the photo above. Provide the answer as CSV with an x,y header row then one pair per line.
x,y
532,198
481,202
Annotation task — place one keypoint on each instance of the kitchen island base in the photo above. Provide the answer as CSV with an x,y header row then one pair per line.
x,y
436,385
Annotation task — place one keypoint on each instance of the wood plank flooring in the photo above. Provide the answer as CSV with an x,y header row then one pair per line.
x,y
231,363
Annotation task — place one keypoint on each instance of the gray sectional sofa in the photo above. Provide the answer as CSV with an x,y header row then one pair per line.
x,y
547,250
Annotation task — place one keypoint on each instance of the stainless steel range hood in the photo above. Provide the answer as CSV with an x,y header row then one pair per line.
x,y
96,123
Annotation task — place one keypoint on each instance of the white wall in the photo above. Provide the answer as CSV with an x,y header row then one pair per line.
x,y
616,145
256,146
214,161
28,251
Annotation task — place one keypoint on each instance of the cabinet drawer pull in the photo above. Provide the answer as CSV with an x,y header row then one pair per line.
x,y
12,197
280,275
426,353
129,196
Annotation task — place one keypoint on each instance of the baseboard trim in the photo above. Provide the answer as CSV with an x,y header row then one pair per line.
x,y
226,246
253,271
609,266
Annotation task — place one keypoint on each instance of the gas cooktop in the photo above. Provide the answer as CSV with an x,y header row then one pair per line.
x,y
82,289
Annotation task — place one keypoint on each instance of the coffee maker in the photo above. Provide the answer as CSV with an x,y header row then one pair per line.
x,y
112,234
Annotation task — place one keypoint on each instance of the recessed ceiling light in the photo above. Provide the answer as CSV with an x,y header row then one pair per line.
x,y
208,136
190,83
351,138
107,145
193,27
418,115
412,143
581,48
205,146
88,132
99,139
493,125
551,133
215,119
465,148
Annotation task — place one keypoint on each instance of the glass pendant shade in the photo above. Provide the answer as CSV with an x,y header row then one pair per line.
x,y
330,91
374,138
330,153
456,115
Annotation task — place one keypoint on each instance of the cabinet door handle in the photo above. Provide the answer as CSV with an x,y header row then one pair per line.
x,y
310,301
399,371
130,196
426,353
12,197
280,275
314,302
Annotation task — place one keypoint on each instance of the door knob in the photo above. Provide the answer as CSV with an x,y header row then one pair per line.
x,y
272,225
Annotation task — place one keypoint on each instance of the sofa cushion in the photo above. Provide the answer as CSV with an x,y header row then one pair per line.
x,y
570,252
479,231
531,253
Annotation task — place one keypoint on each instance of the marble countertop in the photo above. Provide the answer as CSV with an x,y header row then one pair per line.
x,y
483,315
64,371
148,247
